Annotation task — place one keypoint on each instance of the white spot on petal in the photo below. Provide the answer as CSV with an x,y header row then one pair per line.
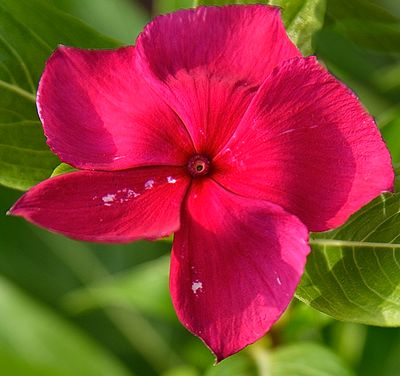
x,y
132,193
279,281
149,184
196,285
171,180
108,199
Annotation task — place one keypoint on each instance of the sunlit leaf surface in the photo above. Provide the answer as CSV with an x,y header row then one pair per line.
x,y
353,273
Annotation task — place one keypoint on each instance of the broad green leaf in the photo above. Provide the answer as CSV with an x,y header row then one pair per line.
x,y
353,273
302,18
29,31
120,19
25,159
127,289
36,341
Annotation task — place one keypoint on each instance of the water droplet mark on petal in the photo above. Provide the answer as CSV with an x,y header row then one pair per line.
x,y
196,285
132,193
121,196
171,180
149,184
109,199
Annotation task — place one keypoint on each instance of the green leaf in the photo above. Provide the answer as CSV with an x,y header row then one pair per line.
x,y
29,31
376,36
63,168
41,343
165,6
306,359
353,273
302,18
339,10
25,159
120,19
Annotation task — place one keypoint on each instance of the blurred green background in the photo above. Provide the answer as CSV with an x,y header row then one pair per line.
x,y
70,308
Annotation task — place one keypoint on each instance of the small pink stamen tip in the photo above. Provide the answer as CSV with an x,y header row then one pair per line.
x,y
198,165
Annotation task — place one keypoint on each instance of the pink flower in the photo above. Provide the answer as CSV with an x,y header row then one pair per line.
x,y
216,128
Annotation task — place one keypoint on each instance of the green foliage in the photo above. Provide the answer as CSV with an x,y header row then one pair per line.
x,y
353,273
71,308
25,159
29,31
44,344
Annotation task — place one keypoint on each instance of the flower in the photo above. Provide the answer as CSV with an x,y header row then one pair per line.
x,y
216,128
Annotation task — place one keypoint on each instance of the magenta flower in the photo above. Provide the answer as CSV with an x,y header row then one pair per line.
x,y
216,128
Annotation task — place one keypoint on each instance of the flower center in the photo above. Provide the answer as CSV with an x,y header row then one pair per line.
x,y
198,165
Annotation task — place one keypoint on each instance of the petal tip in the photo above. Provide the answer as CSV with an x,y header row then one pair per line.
x,y
16,210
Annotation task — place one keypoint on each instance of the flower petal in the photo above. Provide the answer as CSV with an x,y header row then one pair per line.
x,y
235,265
99,113
142,203
209,62
247,41
307,145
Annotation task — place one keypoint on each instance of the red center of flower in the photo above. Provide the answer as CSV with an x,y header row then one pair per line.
x,y
198,165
